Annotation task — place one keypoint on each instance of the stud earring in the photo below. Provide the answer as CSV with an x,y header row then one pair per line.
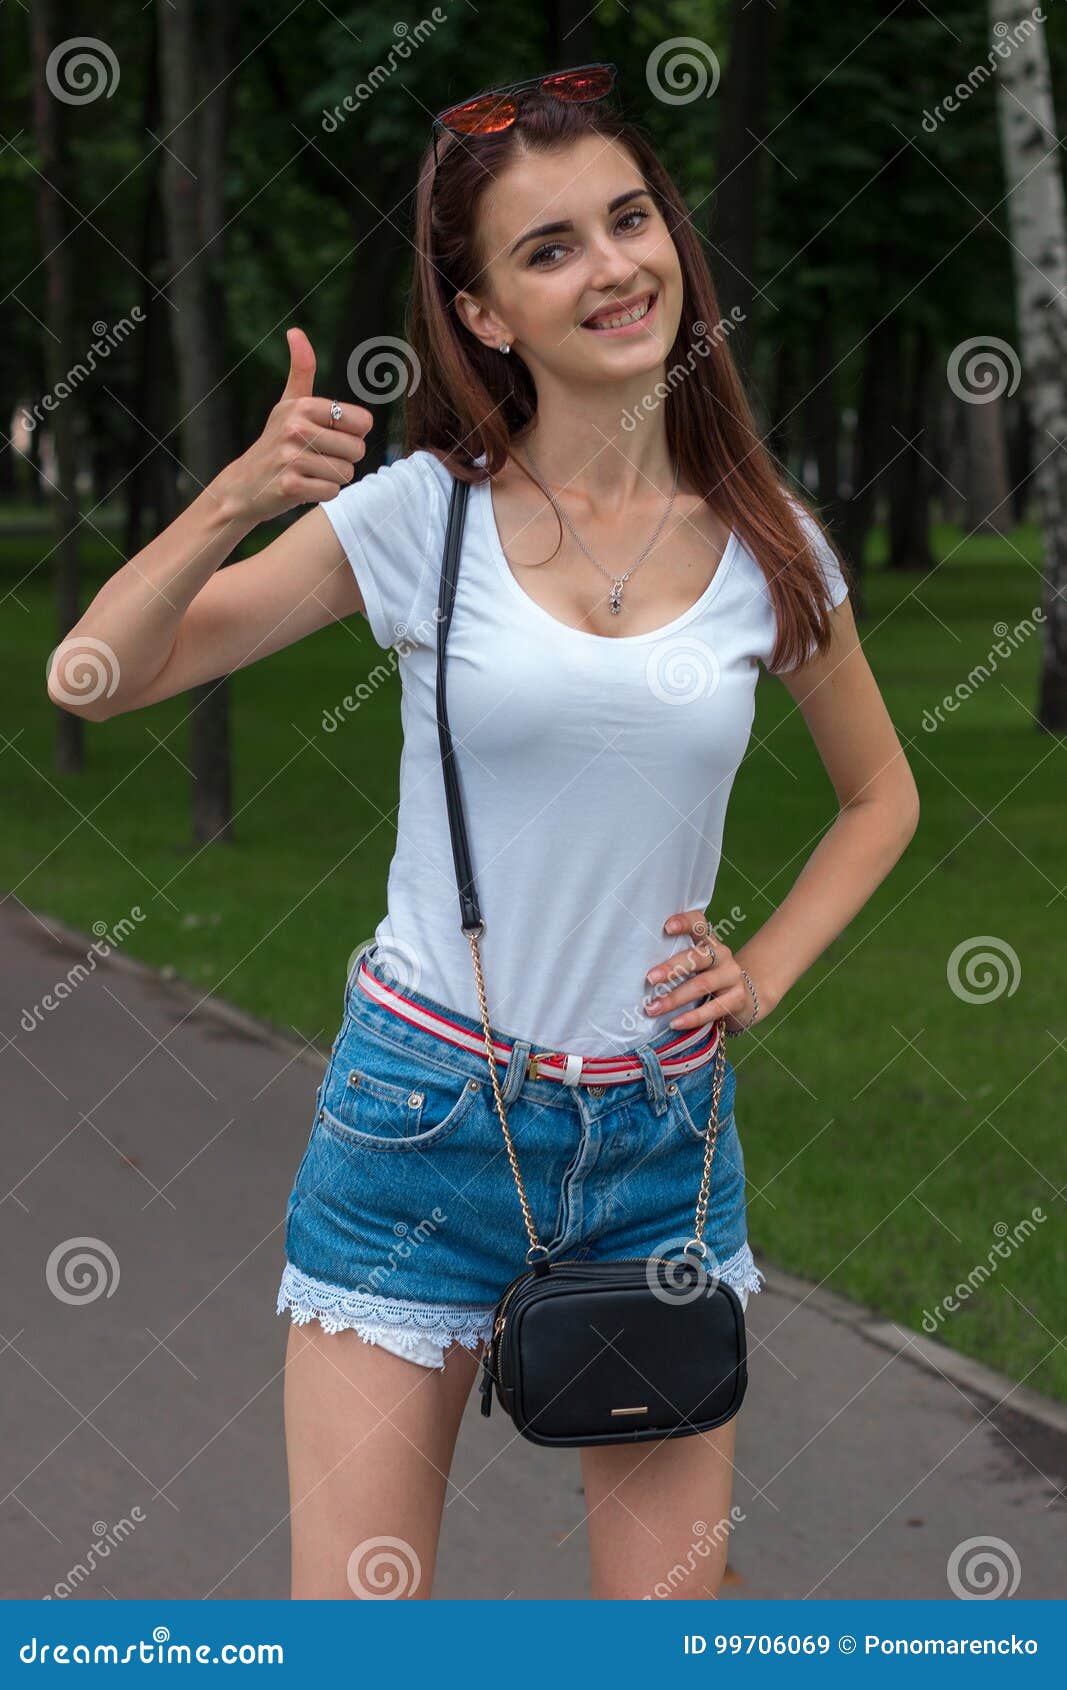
x,y
505,346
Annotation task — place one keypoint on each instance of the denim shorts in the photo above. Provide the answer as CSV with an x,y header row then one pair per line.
x,y
404,1222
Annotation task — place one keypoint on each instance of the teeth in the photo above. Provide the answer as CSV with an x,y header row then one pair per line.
x,y
627,317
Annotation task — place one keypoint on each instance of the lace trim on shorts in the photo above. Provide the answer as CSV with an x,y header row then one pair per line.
x,y
414,1327
408,1326
741,1273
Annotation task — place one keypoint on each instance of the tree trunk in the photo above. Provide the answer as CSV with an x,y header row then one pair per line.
x,y
869,447
825,419
908,475
1038,230
48,27
153,373
194,70
735,219
988,497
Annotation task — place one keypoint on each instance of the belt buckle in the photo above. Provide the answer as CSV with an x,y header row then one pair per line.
x,y
532,1062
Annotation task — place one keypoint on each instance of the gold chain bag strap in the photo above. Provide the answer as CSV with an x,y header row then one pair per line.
x,y
589,1352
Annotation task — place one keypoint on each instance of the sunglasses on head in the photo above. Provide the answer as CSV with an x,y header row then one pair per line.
x,y
496,109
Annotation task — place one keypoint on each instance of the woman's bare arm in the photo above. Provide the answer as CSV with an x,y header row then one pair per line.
x,y
169,618
878,813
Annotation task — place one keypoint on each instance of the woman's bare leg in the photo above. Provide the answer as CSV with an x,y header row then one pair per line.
x,y
369,1439
659,1515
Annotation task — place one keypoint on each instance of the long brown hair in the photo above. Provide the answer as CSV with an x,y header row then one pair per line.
x,y
471,401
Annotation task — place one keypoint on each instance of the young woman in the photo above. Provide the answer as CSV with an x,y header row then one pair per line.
x,y
631,555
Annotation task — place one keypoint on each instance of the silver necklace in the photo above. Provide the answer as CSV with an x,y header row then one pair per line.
x,y
617,581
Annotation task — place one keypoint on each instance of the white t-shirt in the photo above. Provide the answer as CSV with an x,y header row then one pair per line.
x,y
595,771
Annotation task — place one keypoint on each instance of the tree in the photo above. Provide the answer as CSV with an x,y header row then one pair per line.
x,y
195,65
1039,250
48,31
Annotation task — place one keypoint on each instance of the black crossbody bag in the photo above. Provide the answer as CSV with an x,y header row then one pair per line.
x,y
587,1352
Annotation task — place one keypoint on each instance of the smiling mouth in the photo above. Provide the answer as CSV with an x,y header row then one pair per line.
x,y
622,319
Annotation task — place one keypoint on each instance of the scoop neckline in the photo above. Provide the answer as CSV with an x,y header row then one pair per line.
x,y
492,533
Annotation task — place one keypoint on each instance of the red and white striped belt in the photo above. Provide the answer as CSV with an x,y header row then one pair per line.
x,y
686,1052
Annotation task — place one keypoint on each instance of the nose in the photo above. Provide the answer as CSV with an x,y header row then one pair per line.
x,y
610,267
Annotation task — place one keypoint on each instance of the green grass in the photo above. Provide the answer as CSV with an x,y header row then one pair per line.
x,y
888,1126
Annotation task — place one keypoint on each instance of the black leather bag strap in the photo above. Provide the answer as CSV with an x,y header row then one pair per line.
x,y
470,914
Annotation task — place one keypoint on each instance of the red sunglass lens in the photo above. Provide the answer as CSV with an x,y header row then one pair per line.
x,y
579,84
480,117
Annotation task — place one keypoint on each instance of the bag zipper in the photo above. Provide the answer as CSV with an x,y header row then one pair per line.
x,y
491,1352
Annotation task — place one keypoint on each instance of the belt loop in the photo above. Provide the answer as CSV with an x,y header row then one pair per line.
x,y
516,1071
572,1070
354,967
654,1080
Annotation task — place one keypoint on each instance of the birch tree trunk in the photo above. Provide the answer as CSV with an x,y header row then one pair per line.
x,y
1038,229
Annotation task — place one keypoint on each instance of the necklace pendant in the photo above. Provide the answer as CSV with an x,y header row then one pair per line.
x,y
615,600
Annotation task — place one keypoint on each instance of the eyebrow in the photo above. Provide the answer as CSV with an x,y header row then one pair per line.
x,y
563,226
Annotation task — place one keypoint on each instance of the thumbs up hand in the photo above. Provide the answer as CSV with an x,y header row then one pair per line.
x,y
302,457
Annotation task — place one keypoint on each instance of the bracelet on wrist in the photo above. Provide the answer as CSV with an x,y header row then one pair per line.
x,y
735,1032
